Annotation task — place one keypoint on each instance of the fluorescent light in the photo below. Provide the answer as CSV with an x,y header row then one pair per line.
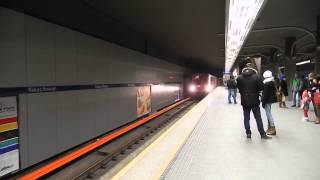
x,y
241,17
303,62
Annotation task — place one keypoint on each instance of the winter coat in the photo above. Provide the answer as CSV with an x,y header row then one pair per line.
x,y
305,100
231,84
284,87
249,85
269,93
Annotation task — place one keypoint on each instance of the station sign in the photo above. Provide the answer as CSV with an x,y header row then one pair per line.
x,y
9,136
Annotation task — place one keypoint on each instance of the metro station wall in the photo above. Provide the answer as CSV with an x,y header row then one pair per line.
x,y
34,52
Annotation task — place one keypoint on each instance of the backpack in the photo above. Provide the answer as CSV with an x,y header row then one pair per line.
x,y
316,98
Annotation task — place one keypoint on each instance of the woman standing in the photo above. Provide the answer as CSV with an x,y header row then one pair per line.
x,y
269,97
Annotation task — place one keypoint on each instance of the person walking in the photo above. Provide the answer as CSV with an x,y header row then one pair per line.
x,y
249,85
269,96
232,90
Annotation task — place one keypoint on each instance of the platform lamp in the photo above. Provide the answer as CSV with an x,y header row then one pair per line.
x,y
240,17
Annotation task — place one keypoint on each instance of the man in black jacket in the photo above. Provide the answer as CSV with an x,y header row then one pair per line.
x,y
232,89
249,85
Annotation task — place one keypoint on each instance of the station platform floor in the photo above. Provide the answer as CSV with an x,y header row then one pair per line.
x,y
209,142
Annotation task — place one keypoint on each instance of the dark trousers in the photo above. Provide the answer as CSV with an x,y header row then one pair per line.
x,y
257,116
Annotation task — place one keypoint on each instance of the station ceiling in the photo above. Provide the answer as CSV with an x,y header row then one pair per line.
x,y
282,19
187,28
190,31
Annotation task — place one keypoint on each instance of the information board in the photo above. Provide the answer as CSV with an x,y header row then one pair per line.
x,y
9,135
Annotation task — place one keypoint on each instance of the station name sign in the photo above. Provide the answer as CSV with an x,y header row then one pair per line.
x,y
42,89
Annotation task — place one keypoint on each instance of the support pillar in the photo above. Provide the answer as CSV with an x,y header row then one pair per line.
x,y
290,64
273,63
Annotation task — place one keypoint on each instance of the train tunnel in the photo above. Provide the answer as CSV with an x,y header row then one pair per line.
x,y
74,72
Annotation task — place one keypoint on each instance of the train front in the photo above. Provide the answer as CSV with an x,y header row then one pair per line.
x,y
201,85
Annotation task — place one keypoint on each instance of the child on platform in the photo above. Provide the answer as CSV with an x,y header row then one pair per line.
x,y
305,103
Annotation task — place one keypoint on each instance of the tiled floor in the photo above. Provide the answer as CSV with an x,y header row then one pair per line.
x,y
217,149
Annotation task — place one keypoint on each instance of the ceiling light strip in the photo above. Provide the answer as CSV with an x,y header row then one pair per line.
x,y
241,15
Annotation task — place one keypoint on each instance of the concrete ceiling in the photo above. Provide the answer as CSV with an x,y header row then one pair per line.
x,y
187,28
282,19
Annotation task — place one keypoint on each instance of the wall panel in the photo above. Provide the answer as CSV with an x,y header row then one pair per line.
x,y
40,48
42,126
66,56
12,43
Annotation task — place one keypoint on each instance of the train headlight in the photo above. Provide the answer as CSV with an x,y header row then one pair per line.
x,y
208,88
192,88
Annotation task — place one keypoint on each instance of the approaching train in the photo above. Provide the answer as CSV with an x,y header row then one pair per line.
x,y
201,84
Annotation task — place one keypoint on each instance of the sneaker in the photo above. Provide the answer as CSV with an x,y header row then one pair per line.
x,y
293,106
306,119
235,102
249,136
265,137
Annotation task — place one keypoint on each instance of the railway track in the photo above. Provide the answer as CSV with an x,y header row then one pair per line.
x,y
109,158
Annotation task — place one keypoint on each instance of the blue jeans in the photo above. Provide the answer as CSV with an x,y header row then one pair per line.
x,y
296,98
267,108
294,94
233,93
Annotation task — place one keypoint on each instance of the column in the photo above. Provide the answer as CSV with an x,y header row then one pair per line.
x,y
290,64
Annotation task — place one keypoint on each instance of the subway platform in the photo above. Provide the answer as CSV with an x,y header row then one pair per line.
x,y
209,142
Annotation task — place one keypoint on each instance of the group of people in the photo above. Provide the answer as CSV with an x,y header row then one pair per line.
x,y
253,90
306,92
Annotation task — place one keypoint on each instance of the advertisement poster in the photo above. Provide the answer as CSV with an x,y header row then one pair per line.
x,y
9,136
143,101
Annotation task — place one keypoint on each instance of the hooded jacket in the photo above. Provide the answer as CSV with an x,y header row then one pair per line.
x,y
231,84
249,85
269,91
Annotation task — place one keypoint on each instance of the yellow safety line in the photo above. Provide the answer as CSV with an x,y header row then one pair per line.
x,y
169,156
124,170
